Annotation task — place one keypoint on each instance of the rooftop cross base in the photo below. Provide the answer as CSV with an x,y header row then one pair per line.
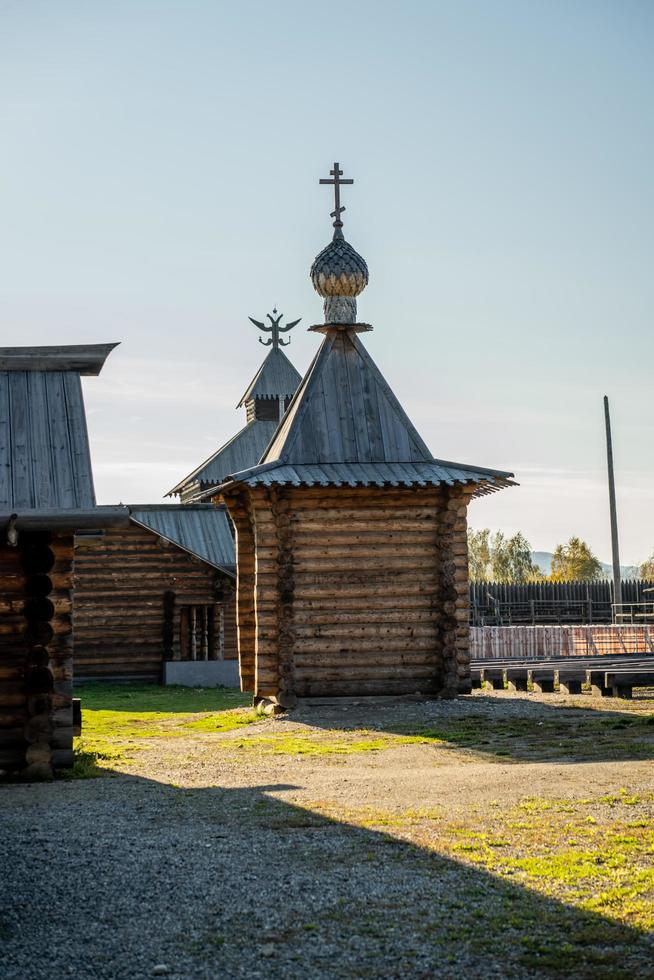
x,y
354,327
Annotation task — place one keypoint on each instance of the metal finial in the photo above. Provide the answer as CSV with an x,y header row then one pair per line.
x,y
338,209
275,329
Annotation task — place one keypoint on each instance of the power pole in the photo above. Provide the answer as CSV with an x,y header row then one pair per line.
x,y
617,584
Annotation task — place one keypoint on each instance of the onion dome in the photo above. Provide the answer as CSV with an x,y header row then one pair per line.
x,y
339,274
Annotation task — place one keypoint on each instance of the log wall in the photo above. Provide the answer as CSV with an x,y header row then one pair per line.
x,y
130,585
36,654
350,591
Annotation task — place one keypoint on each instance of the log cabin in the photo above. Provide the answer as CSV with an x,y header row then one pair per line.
x,y
157,590
46,496
351,539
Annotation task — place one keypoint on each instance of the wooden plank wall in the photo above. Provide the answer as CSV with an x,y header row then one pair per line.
x,y
36,654
357,590
121,579
538,642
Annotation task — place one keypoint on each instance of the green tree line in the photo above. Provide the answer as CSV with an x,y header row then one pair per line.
x,y
498,558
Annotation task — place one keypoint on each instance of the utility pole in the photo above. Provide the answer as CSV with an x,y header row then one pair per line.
x,y
617,585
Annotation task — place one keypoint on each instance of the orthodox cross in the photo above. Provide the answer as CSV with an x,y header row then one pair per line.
x,y
336,181
275,329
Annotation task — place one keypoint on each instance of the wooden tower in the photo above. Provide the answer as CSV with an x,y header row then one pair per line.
x,y
351,538
46,494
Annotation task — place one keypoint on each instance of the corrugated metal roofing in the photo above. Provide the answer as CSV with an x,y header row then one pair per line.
x,y
430,473
201,529
242,451
276,378
44,447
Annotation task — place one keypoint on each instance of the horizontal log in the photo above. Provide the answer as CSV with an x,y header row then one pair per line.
x,y
12,700
399,613
377,632
390,646
319,661
331,579
379,687
387,553
313,675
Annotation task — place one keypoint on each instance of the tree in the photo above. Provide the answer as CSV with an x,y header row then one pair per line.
x,y
512,561
575,561
646,570
479,557
496,558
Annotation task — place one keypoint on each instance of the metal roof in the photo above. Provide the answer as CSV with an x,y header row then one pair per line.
x,y
45,462
346,427
276,378
242,451
432,473
201,529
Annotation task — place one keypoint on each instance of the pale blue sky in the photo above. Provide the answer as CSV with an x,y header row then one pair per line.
x,y
158,184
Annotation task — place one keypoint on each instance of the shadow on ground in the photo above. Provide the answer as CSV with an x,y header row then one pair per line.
x,y
499,727
112,878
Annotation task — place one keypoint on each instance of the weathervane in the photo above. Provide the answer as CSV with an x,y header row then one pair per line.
x,y
275,329
338,209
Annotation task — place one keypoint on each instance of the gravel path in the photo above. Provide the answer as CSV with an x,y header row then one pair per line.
x,y
200,863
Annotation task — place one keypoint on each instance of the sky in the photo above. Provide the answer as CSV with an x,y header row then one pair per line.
x,y
159,184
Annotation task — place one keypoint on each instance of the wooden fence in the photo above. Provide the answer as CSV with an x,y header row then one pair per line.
x,y
556,603
539,642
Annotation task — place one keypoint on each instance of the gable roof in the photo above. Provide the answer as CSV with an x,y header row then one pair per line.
x,y
45,462
276,378
346,427
201,529
242,451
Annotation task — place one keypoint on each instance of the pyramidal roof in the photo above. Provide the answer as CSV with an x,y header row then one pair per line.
x,y
276,378
346,427
345,412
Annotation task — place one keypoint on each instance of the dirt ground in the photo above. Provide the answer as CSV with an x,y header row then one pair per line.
x,y
495,836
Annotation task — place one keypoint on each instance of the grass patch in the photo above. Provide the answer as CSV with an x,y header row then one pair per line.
x,y
153,698
327,743
117,720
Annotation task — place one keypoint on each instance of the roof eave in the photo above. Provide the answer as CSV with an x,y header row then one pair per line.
x,y
86,359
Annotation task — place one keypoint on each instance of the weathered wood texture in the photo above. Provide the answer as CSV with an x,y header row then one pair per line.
x,y
534,642
240,513
36,654
352,590
126,583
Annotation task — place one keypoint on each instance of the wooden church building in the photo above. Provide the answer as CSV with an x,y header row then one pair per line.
x,y
351,537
